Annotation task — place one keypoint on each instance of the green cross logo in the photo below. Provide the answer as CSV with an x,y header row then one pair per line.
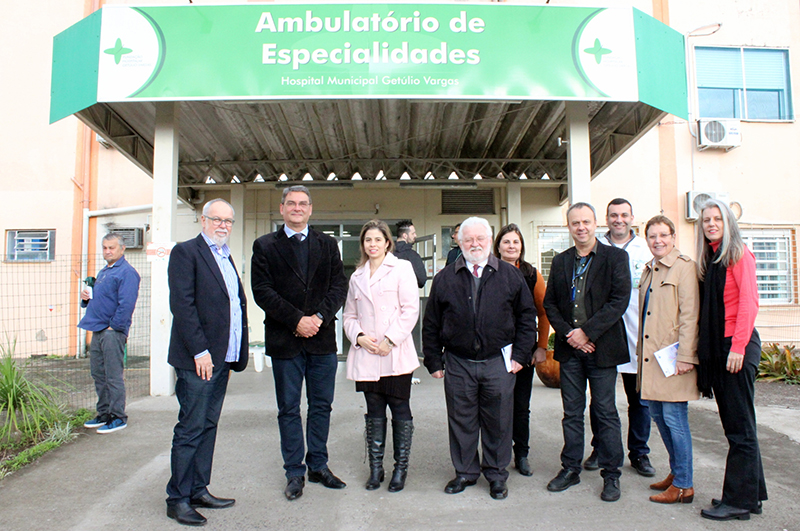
x,y
597,50
118,51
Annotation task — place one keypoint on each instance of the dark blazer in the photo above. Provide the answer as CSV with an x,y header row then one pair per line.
x,y
505,315
200,306
608,292
285,295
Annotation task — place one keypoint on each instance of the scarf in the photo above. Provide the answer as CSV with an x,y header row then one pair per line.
x,y
713,357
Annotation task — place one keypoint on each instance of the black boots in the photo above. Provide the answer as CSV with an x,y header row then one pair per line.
x,y
376,442
401,433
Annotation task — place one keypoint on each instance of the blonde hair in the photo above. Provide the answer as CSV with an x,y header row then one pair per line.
x,y
377,225
731,248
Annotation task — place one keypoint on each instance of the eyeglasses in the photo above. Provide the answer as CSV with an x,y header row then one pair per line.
x,y
479,239
219,221
301,204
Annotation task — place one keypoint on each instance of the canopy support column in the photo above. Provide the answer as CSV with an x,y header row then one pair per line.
x,y
165,216
514,202
236,242
579,159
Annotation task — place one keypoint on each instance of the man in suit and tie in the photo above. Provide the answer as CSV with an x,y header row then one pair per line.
x,y
209,339
587,294
299,282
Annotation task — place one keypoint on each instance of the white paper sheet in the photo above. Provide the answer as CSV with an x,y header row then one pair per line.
x,y
506,350
668,358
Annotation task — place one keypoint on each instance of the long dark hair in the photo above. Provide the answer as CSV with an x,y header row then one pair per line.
x,y
526,268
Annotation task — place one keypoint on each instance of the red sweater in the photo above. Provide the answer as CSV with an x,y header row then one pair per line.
x,y
741,300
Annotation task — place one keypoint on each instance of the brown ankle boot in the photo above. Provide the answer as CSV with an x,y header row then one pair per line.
x,y
674,495
664,484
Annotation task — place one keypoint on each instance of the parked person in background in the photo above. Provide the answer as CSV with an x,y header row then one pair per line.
x,y
298,280
406,236
109,310
455,252
208,340
509,246
669,298
619,218
381,310
729,349
478,332
587,293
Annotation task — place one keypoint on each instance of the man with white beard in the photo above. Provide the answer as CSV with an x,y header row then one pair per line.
x,y
478,331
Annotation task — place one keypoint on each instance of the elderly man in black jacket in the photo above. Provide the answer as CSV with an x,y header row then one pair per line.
x,y
587,294
479,329
298,280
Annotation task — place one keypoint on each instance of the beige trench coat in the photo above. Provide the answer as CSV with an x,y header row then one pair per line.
x,y
672,316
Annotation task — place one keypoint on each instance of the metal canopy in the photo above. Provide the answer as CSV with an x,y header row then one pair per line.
x,y
230,141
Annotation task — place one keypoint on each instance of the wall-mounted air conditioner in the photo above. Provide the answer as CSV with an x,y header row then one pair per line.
x,y
133,236
696,200
722,133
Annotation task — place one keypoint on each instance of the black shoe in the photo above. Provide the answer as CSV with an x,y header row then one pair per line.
x,y
591,461
210,501
183,513
523,467
716,503
498,489
725,512
643,466
458,484
564,480
611,491
326,477
294,487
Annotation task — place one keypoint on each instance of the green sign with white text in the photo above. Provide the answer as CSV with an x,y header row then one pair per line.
x,y
312,51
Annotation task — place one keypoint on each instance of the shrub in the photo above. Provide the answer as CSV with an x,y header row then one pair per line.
x,y
779,364
29,408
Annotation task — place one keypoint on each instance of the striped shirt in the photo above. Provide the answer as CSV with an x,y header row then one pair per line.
x,y
222,256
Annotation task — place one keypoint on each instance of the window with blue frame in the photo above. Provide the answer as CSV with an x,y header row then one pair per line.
x,y
744,83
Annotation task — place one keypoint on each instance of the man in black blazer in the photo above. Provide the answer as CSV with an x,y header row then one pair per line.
x,y
209,338
298,280
587,294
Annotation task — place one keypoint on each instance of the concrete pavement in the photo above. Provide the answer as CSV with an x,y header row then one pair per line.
x,y
117,481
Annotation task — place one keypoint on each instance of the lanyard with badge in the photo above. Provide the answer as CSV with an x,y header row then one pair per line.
x,y
583,265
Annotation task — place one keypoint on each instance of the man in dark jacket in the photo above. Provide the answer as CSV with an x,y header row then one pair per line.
x,y
298,280
406,236
208,340
587,294
478,331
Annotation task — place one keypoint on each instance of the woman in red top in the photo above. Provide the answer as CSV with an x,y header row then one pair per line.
x,y
729,349
510,247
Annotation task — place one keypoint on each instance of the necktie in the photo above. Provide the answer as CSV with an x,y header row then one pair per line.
x,y
298,236
475,270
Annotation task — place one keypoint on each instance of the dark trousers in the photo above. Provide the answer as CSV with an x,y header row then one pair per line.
x,y
523,386
575,372
744,484
319,373
107,355
479,400
638,419
196,432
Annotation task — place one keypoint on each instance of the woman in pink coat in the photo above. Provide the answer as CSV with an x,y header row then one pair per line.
x,y
381,310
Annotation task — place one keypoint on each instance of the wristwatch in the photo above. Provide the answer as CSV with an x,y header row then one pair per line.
x,y
389,341
321,317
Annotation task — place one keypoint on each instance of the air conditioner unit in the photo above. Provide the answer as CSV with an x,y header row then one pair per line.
x,y
719,133
133,236
696,200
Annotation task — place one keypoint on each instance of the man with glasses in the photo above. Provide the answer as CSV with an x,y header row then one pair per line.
x,y
298,280
478,332
208,340
587,294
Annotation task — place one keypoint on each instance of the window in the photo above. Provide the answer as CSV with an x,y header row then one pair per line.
x,y
552,240
745,83
771,248
30,245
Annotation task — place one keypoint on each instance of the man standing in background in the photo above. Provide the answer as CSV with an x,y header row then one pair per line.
x,y
109,310
406,236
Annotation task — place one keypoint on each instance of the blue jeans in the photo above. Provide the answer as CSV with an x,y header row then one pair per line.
x,y
578,369
319,372
196,432
638,419
672,419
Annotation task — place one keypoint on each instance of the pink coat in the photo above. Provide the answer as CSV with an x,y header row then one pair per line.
x,y
387,304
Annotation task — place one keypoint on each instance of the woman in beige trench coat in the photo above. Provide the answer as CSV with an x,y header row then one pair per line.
x,y
669,300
